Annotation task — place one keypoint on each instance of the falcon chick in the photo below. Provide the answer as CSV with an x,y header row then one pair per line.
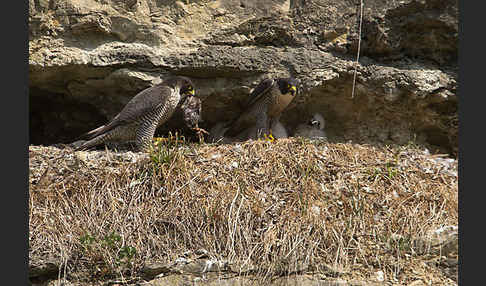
x,y
264,107
138,120
314,128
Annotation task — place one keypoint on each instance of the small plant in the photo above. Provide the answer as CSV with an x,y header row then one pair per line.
x,y
108,252
111,241
373,173
87,240
400,244
304,141
163,152
391,170
127,252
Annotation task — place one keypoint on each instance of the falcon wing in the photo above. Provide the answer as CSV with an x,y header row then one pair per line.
x,y
145,101
262,88
248,117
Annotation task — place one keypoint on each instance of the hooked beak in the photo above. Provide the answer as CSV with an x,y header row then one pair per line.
x,y
314,122
293,90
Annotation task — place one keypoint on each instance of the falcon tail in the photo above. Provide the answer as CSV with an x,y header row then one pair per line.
x,y
91,134
86,144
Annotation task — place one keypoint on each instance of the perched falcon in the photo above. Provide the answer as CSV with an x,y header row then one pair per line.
x,y
314,128
140,117
264,106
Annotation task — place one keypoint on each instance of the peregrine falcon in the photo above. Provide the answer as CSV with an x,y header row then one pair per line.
x,y
142,115
313,129
264,106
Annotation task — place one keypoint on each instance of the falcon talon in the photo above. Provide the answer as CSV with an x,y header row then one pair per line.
x,y
159,139
200,130
269,138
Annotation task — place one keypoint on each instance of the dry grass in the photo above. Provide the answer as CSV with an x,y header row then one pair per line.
x,y
269,208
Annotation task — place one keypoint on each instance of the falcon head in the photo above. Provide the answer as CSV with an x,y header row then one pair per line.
x,y
185,85
287,85
187,90
317,121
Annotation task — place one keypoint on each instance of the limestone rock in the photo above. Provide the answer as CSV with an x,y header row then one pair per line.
x,y
88,58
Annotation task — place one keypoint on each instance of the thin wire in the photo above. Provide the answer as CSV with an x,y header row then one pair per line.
x,y
359,47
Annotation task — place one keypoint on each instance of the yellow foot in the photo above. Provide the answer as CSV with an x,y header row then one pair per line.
x,y
170,139
158,140
269,137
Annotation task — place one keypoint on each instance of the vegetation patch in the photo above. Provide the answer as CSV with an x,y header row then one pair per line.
x,y
265,209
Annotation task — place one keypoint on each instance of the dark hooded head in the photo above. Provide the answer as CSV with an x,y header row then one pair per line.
x,y
186,87
287,85
317,121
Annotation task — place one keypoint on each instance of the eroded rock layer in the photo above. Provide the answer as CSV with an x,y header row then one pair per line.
x,y
88,58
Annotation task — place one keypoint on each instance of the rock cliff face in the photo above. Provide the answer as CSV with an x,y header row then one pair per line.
x,y
89,57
